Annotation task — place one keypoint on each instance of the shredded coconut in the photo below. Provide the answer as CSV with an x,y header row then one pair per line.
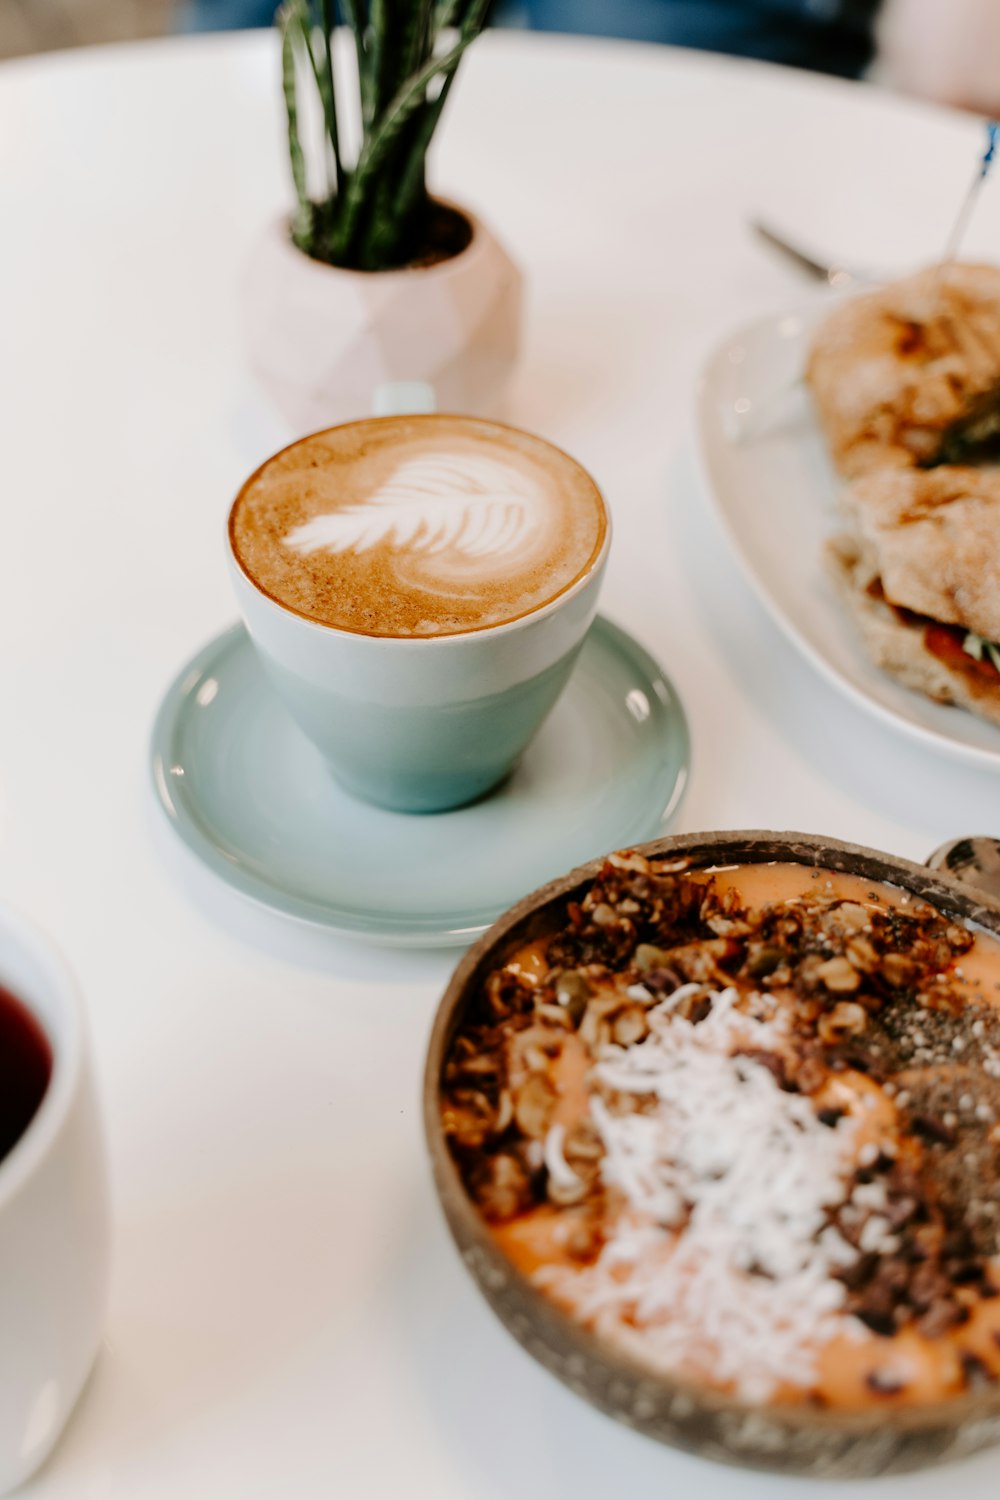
x,y
556,1165
724,1259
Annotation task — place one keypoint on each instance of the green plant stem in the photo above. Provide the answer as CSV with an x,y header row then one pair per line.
x,y
316,56
444,15
289,17
411,190
377,58
357,20
379,142
330,96
375,214
416,38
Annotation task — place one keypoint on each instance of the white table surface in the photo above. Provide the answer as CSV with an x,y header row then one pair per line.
x,y
288,1315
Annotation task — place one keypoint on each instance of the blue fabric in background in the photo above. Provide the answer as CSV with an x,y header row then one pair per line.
x,y
223,15
833,36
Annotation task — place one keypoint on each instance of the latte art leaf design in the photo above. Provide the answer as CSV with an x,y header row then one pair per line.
x,y
478,507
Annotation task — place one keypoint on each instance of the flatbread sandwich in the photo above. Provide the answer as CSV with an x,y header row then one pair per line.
x,y
910,374
918,565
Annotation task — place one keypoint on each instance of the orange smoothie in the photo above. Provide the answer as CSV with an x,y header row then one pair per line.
x,y
744,1125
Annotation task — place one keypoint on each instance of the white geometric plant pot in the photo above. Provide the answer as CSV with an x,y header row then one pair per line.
x,y
321,340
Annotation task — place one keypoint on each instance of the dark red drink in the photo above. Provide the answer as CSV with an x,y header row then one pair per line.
x,y
25,1069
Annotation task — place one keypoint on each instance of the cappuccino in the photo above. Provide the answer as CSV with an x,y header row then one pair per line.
x,y
418,526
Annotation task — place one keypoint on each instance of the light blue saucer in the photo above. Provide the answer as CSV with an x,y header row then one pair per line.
x,y
251,797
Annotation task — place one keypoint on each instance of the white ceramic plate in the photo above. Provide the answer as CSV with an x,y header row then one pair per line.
x,y
774,488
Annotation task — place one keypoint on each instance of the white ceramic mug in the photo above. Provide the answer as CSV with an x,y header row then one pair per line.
x,y
54,1219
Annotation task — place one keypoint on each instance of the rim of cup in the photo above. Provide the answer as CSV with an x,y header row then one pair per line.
x,y
503,627
64,1037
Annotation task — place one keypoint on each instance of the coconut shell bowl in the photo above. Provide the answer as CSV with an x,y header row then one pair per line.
x,y
793,1437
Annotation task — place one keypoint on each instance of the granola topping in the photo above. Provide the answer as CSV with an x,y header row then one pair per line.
x,y
752,1142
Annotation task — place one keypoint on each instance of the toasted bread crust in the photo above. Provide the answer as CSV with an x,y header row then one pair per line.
x,y
896,645
891,372
933,537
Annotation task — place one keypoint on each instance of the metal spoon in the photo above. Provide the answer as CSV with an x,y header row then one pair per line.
x,y
973,861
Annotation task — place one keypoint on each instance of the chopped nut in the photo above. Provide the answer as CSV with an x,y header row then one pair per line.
x,y
476,1069
699,963
728,926
846,1019
565,1193
531,1050
647,957
467,1126
838,974
694,1007
807,973
583,1147
536,1059
504,1114
507,993
500,1186
629,1027
572,986
584,1239
594,1031
627,859
555,1015
862,954
533,1106
764,962
897,969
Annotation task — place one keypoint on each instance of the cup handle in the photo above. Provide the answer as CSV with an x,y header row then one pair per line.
x,y
396,398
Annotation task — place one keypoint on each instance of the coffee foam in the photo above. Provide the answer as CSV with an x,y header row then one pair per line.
x,y
424,525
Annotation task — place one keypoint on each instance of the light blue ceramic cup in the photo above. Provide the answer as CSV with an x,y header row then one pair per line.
x,y
421,724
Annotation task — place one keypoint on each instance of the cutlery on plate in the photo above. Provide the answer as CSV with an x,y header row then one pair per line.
x,y
834,273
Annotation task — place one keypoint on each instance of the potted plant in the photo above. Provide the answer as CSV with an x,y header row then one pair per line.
x,y
372,280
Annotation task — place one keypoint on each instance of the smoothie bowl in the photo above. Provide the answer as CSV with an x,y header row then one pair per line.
x,y
715,1124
